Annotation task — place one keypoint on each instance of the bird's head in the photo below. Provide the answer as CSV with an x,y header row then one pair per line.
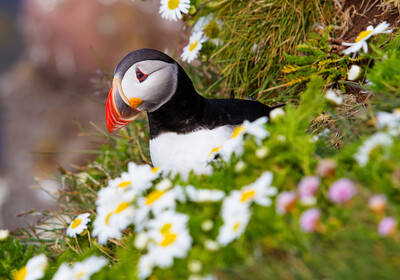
x,y
144,80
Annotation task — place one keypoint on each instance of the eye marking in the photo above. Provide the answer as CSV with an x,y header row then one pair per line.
x,y
140,75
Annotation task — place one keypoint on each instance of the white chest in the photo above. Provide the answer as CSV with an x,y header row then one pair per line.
x,y
184,152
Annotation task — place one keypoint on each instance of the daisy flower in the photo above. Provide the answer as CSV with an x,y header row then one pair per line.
x,y
80,270
170,236
361,41
233,227
34,269
376,140
260,192
390,121
145,266
173,9
112,219
191,51
210,27
78,225
204,195
156,202
236,141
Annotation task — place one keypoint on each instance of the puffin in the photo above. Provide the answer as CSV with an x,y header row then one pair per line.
x,y
184,126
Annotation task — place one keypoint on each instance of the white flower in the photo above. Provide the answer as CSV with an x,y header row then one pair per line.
x,y
137,179
78,225
210,27
354,73
156,202
260,192
80,270
145,266
377,139
191,51
173,9
195,266
112,219
170,236
262,152
207,225
233,227
334,97
204,195
235,143
34,268
4,234
361,41
390,121
141,240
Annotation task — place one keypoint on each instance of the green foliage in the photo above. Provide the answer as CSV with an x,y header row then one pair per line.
x,y
255,35
14,254
385,76
317,58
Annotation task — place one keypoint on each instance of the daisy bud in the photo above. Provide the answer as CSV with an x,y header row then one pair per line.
x,y
141,240
285,202
387,226
308,187
354,73
342,191
164,185
262,152
276,114
326,168
195,266
211,245
333,97
4,234
240,166
207,225
310,219
377,203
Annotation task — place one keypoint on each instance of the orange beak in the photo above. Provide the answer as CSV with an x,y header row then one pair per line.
x,y
119,110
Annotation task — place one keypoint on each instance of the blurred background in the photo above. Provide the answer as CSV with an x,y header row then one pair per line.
x,y
52,54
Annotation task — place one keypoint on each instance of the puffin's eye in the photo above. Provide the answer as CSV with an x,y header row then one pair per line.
x,y
140,75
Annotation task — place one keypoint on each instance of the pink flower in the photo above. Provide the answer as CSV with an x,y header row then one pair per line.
x,y
309,219
308,187
377,203
285,202
326,168
387,226
342,191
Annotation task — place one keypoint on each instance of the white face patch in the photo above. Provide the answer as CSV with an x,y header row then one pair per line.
x,y
181,153
156,89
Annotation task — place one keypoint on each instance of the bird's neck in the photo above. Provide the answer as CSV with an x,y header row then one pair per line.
x,y
180,113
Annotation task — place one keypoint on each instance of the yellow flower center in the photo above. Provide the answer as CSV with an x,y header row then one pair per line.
x,y
236,226
155,169
154,196
173,4
119,209
80,274
362,35
169,238
237,131
124,184
247,195
76,223
122,207
166,228
192,46
20,275
214,150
